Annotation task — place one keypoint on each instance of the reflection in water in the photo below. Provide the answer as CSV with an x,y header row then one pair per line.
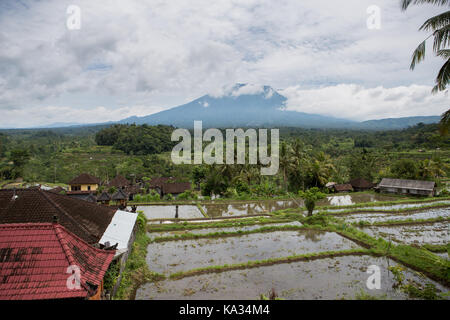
x,y
266,206
338,278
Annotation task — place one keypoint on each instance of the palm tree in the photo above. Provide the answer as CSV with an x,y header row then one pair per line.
x,y
321,169
284,162
440,26
445,123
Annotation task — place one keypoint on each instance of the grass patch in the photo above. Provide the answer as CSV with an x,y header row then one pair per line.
x,y
400,222
219,224
136,269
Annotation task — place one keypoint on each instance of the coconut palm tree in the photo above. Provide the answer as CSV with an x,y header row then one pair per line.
x,y
445,123
440,27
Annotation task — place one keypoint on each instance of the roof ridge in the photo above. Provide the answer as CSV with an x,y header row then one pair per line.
x,y
57,228
58,207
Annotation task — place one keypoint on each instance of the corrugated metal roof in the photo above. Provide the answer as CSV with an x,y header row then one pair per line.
x,y
407,184
120,229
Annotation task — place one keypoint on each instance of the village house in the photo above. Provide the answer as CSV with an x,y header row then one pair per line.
x,y
157,183
344,187
99,226
37,261
361,184
120,198
84,187
130,188
104,198
404,186
175,188
84,182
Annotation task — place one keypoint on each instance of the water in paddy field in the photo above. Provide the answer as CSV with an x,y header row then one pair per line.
x,y
266,206
183,255
153,235
329,278
436,233
395,206
380,217
168,212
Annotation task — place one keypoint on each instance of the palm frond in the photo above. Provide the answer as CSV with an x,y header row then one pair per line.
x,y
444,53
444,125
436,22
441,38
443,77
418,55
406,3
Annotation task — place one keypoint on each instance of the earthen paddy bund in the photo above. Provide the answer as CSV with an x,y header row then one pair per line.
x,y
241,250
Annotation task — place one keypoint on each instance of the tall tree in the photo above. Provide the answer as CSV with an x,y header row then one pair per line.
x,y
440,27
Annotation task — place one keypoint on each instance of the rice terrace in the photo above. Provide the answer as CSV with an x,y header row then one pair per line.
x,y
279,250
207,159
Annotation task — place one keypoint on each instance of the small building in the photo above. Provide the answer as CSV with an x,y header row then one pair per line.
x,y
344,187
404,186
158,182
84,182
37,259
175,188
361,184
120,182
104,198
120,197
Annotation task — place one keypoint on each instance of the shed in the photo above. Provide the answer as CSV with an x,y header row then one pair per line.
x,y
405,186
361,184
344,187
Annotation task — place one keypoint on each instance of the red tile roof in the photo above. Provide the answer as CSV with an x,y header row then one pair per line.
x,y
87,220
34,259
119,181
85,178
175,187
343,187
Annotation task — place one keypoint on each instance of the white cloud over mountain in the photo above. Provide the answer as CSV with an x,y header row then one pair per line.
x,y
355,102
139,57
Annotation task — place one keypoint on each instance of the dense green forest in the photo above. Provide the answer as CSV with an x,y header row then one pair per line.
x,y
308,157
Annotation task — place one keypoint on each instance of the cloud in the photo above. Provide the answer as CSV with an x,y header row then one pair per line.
x,y
356,102
41,116
165,53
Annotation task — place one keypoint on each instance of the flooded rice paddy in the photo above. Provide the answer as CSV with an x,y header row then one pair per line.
x,y
338,278
380,217
326,278
168,212
173,256
252,207
153,235
436,233
394,206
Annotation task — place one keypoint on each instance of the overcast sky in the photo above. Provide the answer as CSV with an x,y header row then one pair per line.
x,y
140,57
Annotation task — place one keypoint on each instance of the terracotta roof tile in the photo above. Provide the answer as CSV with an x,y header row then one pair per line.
x,y
34,258
119,181
87,220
